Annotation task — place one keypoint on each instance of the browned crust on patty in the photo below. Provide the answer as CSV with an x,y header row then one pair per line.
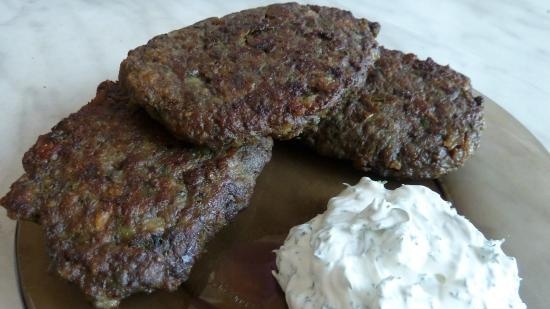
x,y
268,71
126,207
411,119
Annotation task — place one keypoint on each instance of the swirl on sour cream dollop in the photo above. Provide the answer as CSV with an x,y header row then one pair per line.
x,y
404,248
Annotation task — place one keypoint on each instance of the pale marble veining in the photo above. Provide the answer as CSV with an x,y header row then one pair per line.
x,y
54,53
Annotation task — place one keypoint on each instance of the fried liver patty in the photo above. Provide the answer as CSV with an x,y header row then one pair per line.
x,y
268,71
411,119
125,207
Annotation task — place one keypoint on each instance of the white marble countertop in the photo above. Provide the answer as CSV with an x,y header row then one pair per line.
x,y
53,54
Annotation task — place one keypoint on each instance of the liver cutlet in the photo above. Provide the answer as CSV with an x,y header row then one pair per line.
x,y
269,71
412,119
127,208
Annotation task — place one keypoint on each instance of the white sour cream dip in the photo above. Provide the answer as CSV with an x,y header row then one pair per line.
x,y
405,248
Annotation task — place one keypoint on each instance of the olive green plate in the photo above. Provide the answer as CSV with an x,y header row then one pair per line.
x,y
503,190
